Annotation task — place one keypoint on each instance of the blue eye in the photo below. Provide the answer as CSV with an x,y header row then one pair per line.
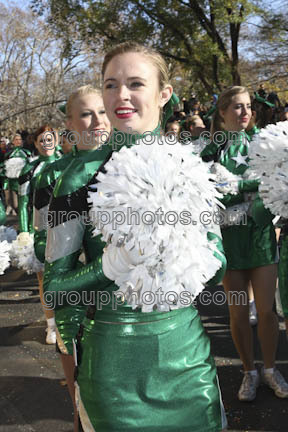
x,y
137,84
110,85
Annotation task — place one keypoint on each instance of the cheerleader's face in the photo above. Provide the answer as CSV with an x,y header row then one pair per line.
x,y
174,127
46,143
238,114
89,122
131,93
17,141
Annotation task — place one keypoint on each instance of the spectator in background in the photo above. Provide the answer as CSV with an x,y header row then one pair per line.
x,y
185,105
3,149
261,91
263,110
195,126
274,99
173,128
284,116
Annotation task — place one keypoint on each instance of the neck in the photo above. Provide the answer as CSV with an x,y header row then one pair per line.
x,y
120,139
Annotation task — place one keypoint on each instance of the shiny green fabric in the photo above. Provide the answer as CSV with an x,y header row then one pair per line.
x,y
2,213
249,246
51,172
261,215
12,184
253,131
221,257
25,201
148,372
283,275
68,321
85,163
64,275
45,180
138,371
40,244
5,183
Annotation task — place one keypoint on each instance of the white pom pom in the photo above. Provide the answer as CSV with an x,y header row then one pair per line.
x,y
268,153
7,233
14,166
4,256
157,183
23,256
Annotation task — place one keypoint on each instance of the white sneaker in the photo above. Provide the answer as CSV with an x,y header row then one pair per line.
x,y
276,382
51,335
250,382
252,313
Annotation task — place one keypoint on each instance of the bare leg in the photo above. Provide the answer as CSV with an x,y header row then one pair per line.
x,y
69,367
48,313
236,282
14,201
7,193
264,285
250,292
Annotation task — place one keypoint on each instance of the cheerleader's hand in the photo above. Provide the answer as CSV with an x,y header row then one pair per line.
x,y
23,238
226,182
228,187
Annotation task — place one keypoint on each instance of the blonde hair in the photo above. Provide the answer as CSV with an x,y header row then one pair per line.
x,y
16,135
81,91
132,47
223,103
191,120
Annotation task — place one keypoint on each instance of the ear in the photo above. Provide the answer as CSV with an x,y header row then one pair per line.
x,y
221,114
165,95
36,145
69,124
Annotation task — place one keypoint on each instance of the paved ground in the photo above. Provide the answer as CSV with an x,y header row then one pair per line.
x,y
32,398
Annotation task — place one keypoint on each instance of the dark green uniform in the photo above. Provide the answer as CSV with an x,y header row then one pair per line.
x,y
251,243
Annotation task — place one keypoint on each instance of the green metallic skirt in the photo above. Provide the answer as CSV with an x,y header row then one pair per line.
x,y
283,275
2,213
68,320
12,184
147,372
249,246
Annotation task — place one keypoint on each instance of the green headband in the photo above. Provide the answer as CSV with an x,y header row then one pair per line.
x,y
62,108
210,112
262,100
168,109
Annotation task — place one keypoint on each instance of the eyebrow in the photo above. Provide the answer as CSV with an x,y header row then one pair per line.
x,y
92,109
130,78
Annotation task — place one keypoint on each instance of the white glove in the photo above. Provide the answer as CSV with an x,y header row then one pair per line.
x,y
226,182
116,261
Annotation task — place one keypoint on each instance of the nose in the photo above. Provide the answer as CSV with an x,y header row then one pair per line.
x,y
245,110
124,93
96,119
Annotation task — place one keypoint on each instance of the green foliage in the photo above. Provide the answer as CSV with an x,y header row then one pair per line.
x,y
197,34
